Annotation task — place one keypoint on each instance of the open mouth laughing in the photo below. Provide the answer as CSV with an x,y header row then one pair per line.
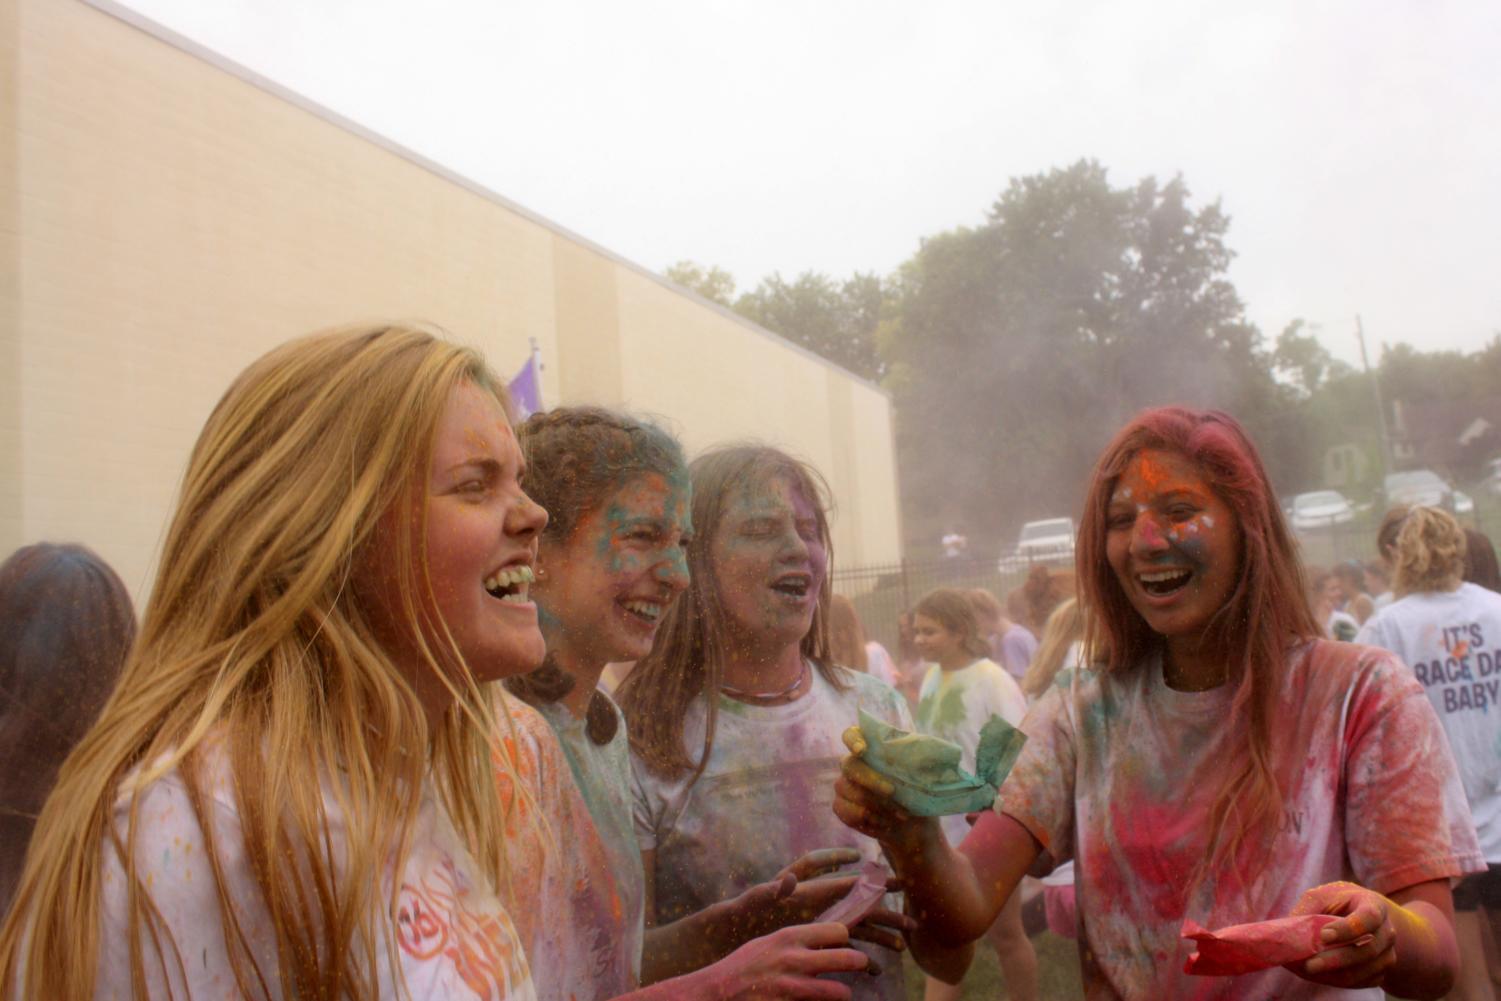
x,y
795,586
1164,583
648,612
510,584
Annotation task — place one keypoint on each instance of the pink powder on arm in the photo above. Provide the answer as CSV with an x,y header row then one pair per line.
x,y
1256,946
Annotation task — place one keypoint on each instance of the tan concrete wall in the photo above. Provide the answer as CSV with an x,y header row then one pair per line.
x,y
166,220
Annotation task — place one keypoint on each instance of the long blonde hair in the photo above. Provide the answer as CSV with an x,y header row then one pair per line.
x,y
253,637
1065,627
1429,553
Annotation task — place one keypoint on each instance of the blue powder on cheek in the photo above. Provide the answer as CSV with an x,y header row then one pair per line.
x,y
1192,550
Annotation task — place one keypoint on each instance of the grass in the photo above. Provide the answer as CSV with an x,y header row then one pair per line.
x,y
1057,969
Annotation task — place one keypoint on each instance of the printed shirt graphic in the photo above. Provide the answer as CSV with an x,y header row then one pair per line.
x,y
1119,773
1452,642
580,926
603,775
454,939
955,705
765,797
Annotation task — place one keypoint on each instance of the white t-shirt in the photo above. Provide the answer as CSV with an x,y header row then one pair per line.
x,y
765,797
603,775
577,910
1120,772
956,705
454,939
1452,642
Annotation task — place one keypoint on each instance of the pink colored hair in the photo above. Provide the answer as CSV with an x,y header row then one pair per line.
x,y
1263,618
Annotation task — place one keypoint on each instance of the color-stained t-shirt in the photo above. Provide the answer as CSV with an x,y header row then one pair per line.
x,y
1120,772
453,938
765,797
1452,642
956,705
603,776
581,929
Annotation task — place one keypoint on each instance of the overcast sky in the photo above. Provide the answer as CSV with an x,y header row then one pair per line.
x,y
1354,143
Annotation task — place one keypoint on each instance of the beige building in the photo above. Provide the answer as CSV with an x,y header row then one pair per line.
x,y
169,216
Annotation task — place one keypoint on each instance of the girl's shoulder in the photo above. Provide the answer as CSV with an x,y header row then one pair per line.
x,y
871,694
1325,672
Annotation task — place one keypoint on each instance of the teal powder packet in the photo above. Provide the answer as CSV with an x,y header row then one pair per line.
x,y
925,770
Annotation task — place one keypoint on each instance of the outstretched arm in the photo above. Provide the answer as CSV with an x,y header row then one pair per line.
x,y
954,895
1403,943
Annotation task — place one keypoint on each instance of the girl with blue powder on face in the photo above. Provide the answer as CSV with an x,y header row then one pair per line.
x,y
611,563
1222,764
736,712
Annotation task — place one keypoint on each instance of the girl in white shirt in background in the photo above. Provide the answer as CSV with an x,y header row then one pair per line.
x,y
963,689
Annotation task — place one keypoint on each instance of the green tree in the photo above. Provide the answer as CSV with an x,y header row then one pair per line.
x,y
837,320
1017,347
1299,359
714,284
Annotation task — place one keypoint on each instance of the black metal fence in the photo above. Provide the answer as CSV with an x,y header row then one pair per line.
x,y
881,593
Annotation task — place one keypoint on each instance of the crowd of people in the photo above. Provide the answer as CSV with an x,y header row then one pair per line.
x,y
428,703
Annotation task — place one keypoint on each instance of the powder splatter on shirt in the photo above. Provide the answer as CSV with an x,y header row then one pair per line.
x,y
956,705
581,929
1120,773
765,797
454,940
603,776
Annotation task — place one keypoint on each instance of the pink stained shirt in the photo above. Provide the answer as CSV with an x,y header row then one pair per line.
x,y
1120,773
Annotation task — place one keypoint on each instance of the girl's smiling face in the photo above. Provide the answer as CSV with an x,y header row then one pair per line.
x,y
1173,544
606,587
769,560
479,540
934,641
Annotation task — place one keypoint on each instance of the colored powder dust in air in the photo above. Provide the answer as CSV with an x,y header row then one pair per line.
x,y
1260,945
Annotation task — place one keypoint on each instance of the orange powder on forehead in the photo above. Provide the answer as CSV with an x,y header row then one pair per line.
x,y
1159,478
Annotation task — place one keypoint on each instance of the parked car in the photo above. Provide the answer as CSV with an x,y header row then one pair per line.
x,y
1418,486
1050,540
1321,509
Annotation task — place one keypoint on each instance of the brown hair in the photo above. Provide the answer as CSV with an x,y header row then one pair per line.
x,y
687,660
68,626
1043,591
1480,561
987,609
951,609
847,635
1263,618
577,459
1430,553
1386,535
1064,628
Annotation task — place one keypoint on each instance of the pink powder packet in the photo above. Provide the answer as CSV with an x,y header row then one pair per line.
x,y
1256,946
863,897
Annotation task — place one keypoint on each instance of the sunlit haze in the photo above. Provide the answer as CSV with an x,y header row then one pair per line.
x,y
1352,143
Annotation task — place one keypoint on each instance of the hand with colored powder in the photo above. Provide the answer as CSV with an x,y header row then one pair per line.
x,y
1403,943
804,890
864,800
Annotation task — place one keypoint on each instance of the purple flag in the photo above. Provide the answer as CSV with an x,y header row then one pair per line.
x,y
526,390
